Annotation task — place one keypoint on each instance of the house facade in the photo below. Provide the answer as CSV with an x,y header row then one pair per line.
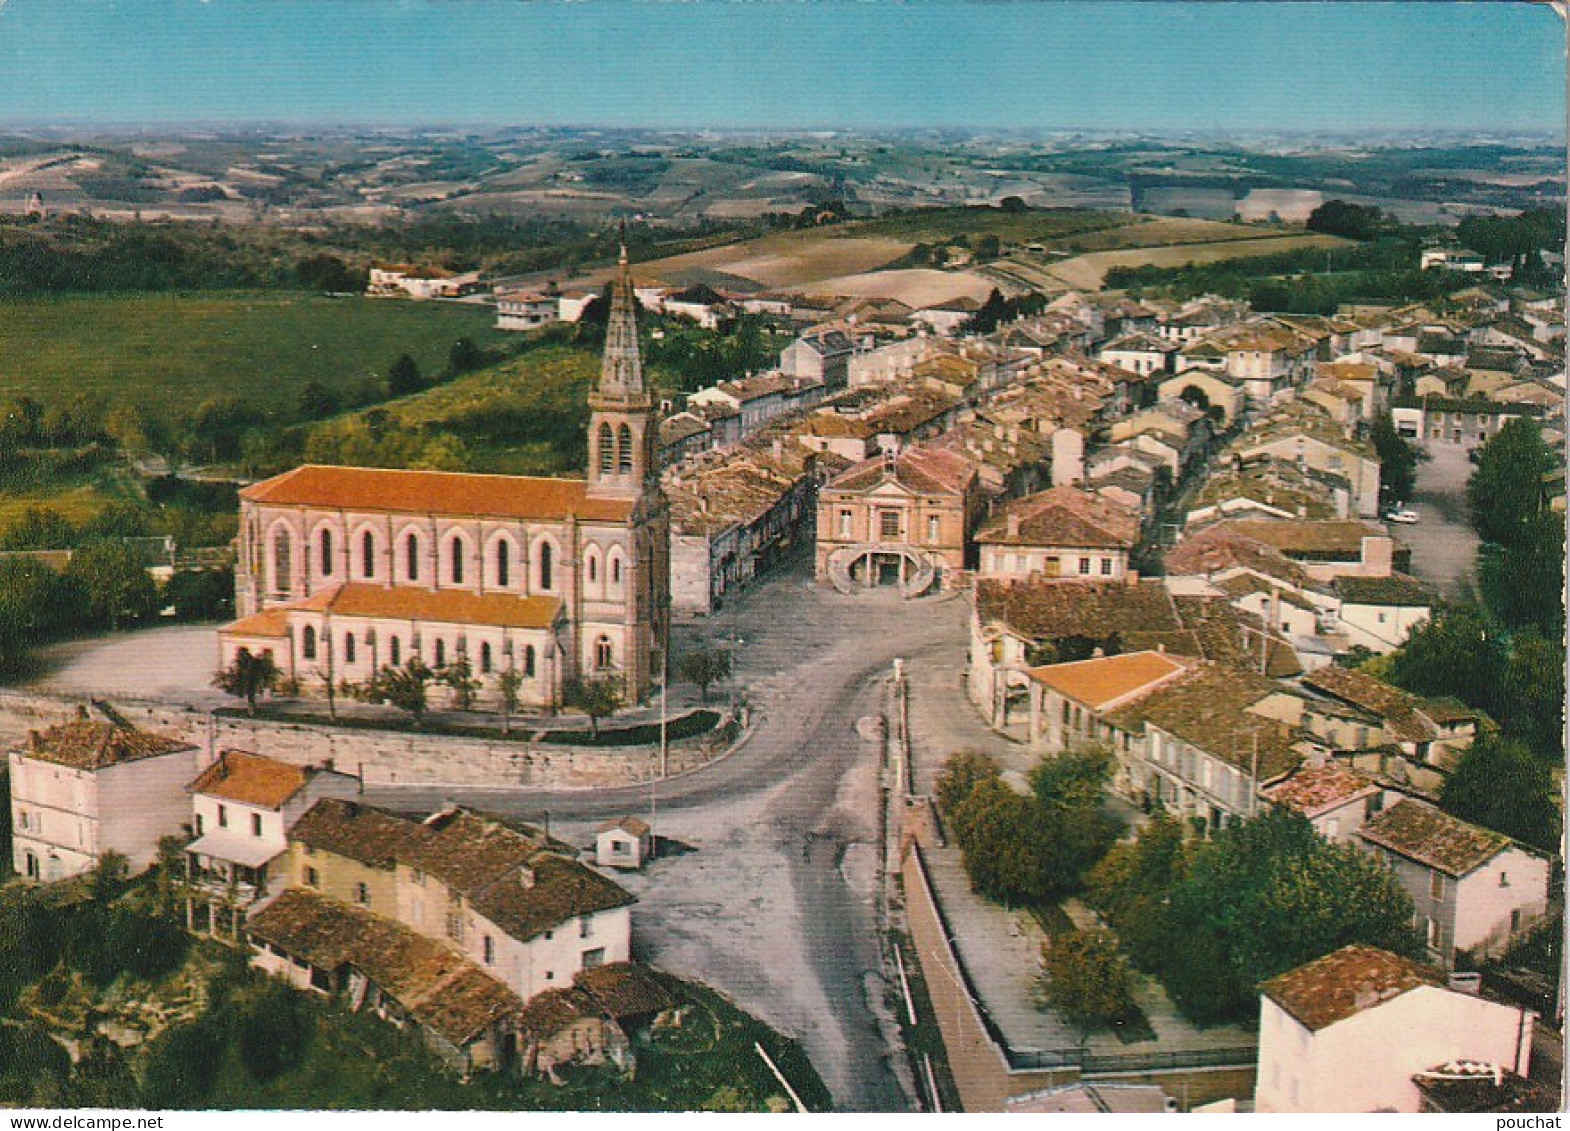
x,y
242,808
1473,889
898,520
81,789
1349,1031
1061,532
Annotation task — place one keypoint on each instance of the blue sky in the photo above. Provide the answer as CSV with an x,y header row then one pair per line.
x,y
1096,64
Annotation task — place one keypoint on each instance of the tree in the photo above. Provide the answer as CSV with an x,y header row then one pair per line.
x,y
1523,583
465,357
460,678
200,594
1354,221
1398,459
1013,204
704,666
272,1031
247,676
1531,693
1506,490
1131,883
109,877
405,688
960,775
1004,846
596,696
1266,896
1503,786
118,587
179,1068
1087,979
317,400
1454,653
404,377
40,528
508,684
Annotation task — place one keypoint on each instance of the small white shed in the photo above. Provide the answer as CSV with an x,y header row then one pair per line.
x,y
625,842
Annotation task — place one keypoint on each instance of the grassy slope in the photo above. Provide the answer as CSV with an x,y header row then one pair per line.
x,y
523,417
174,350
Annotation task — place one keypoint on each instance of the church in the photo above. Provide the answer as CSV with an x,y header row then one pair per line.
x,y
342,571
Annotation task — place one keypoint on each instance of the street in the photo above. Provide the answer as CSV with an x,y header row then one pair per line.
x,y
775,903
1444,546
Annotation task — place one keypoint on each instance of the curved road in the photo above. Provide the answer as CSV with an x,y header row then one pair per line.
x,y
777,905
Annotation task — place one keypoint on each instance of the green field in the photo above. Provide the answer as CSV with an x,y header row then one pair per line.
x,y
172,351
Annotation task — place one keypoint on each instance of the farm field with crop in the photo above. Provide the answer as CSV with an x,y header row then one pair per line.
x,y
169,352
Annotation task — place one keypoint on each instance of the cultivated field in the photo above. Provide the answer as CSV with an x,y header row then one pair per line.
x,y
172,351
915,287
1085,272
787,261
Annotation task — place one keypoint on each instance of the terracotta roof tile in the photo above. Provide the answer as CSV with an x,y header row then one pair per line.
x,y
250,779
1313,790
923,470
1400,710
272,622
624,990
1102,682
382,490
444,606
1345,983
1063,516
84,744
1398,589
439,987
512,877
1433,838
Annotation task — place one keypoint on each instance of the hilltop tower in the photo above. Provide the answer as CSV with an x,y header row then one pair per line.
x,y
621,427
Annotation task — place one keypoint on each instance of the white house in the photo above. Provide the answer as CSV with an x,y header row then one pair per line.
x,y
525,310
509,900
1472,889
242,808
84,788
1347,1032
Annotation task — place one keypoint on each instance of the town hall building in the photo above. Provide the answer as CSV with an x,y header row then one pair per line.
x,y
342,571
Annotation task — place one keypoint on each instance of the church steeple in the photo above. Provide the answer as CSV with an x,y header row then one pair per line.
x,y
621,370
621,427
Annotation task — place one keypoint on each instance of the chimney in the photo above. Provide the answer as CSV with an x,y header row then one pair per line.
x,y
779,448
526,876
1317,758
1013,525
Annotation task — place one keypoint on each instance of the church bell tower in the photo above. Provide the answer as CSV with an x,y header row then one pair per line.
x,y
621,427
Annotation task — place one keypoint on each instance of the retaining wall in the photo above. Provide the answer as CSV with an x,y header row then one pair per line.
x,y
381,757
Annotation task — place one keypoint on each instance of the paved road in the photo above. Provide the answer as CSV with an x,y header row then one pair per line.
x,y
777,905
1444,546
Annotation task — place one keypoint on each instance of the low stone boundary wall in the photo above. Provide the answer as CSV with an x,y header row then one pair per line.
x,y
380,757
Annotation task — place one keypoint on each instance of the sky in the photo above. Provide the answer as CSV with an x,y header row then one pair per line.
x,y
797,64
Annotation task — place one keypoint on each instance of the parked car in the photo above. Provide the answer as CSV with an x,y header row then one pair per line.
x,y
1401,514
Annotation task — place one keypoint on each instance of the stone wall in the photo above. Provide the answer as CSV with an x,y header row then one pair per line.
x,y
381,757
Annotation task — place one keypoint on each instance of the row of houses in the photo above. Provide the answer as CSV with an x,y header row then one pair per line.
x,y
489,938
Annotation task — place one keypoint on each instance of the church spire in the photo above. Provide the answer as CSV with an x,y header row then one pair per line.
x,y
622,421
621,370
